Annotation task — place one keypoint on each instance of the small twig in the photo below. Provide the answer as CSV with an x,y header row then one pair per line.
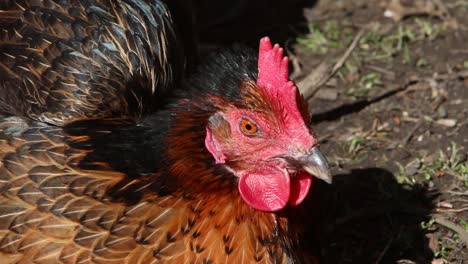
x,y
388,73
348,52
310,85
459,201
458,193
450,225
438,102
397,10
411,133
405,261
457,51
452,210
451,76
387,246
445,122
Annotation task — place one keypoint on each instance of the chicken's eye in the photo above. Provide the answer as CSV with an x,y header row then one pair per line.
x,y
248,127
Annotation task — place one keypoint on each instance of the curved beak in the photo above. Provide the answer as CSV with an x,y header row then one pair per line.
x,y
316,164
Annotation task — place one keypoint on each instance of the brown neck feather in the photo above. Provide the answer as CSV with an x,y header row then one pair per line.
x,y
211,190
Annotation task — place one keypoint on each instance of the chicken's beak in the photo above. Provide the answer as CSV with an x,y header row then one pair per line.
x,y
316,164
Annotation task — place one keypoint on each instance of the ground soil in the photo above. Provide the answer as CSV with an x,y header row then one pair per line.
x,y
397,143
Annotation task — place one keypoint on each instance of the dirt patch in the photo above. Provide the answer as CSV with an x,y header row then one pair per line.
x,y
393,123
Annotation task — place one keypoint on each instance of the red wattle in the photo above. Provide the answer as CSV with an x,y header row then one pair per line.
x,y
270,189
300,186
266,190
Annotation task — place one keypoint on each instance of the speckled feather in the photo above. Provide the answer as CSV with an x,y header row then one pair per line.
x,y
66,60
54,211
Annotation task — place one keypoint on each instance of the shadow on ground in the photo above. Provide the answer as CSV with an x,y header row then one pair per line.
x,y
226,22
365,216
354,107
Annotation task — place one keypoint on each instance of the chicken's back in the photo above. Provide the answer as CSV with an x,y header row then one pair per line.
x,y
66,60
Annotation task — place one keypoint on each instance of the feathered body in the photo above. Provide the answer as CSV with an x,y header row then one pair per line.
x,y
97,165
62,61
109,191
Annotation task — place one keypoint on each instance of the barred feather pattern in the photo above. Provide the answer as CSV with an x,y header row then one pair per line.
x,y
53,212
66,60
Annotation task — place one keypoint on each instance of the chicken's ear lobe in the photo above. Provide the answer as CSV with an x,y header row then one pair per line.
x,y
217,126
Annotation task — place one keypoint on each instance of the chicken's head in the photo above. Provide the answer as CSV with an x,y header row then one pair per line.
x,y
265,139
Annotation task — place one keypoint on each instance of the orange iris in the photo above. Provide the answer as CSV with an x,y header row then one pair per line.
x,y
248,127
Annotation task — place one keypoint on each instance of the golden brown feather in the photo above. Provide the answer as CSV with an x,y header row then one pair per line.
x,y
54,212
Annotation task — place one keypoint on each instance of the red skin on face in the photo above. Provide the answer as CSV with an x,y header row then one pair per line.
x,y
266,181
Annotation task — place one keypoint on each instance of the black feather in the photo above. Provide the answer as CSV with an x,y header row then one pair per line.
x,y
139,150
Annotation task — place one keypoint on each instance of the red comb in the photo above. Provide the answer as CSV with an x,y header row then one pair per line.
x,y
272,66
273,74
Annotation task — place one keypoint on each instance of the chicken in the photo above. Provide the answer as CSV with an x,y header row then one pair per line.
x,y
212,176
62,61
